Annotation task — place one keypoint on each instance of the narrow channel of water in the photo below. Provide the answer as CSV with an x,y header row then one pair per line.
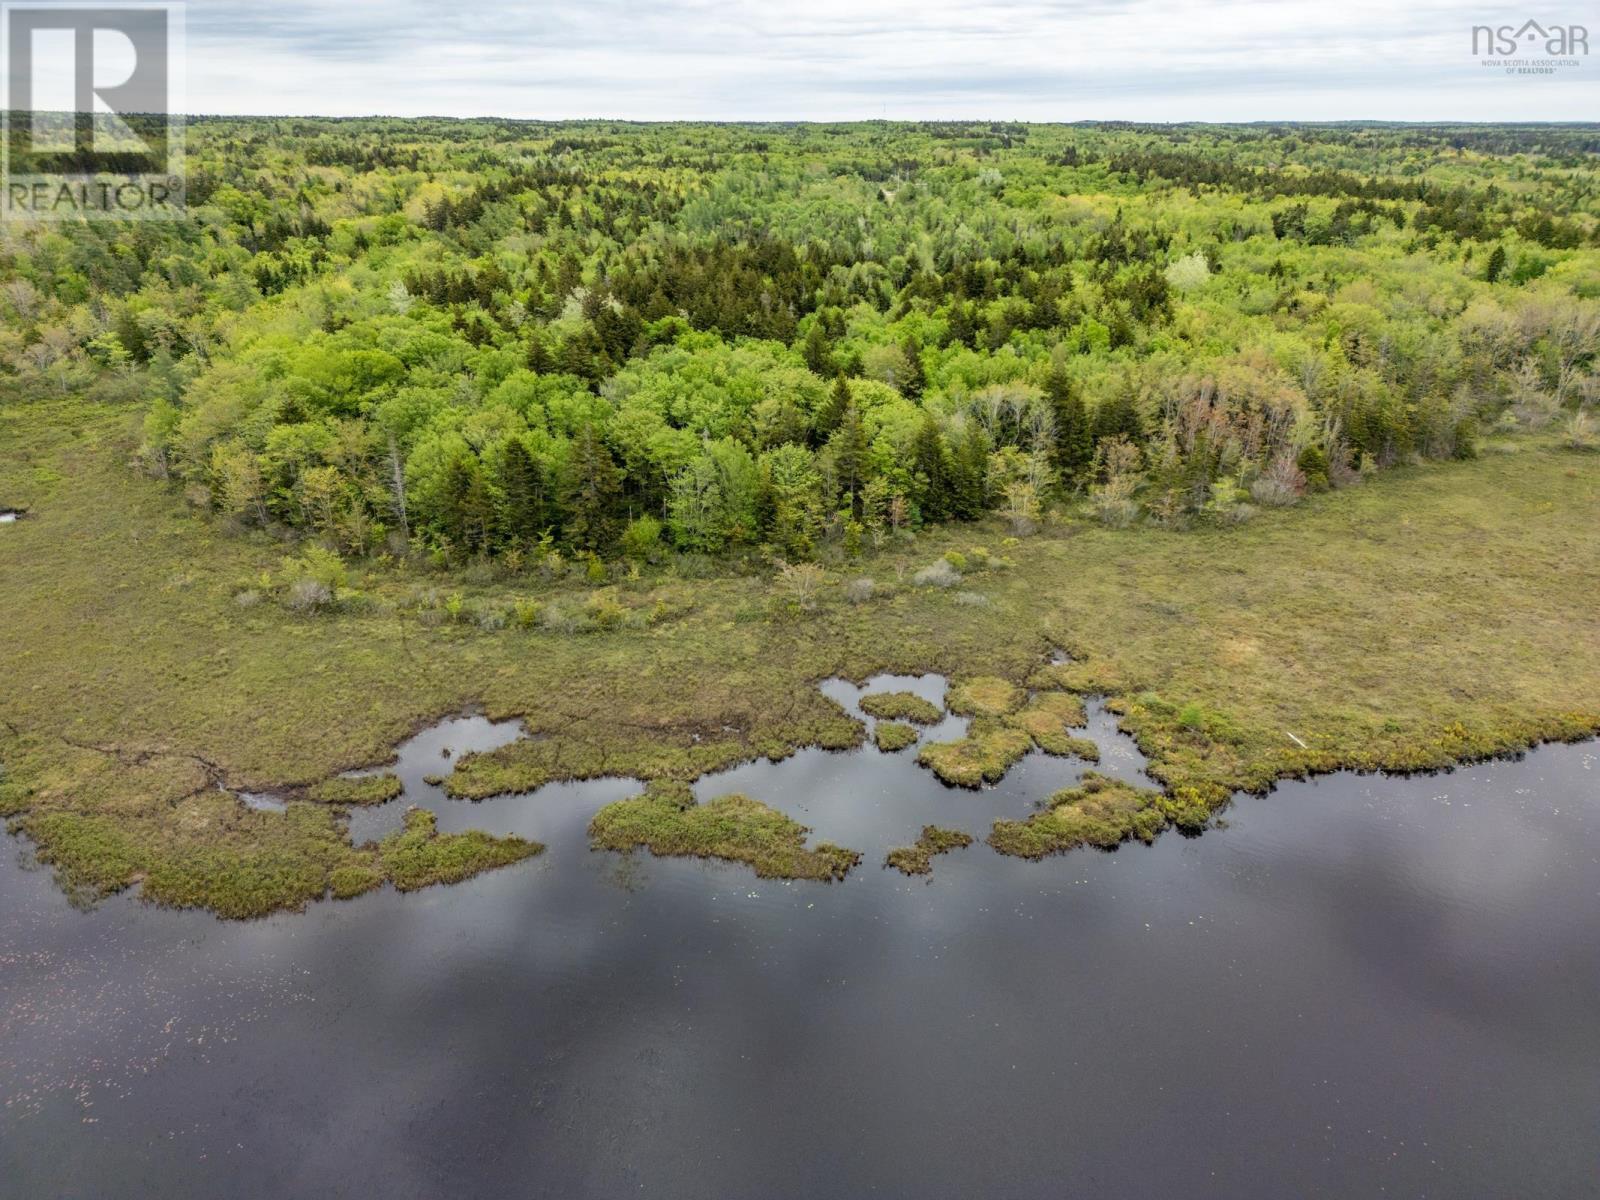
x,y
1362,986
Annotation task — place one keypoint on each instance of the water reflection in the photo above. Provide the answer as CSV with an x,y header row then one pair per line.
x,y
1363,986
865,799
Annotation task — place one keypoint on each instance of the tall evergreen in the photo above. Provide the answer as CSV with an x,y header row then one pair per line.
x,y
930,465
969,465
467,508
833,409
849,455
916,378
1119,416
523,503
1074,440
593,489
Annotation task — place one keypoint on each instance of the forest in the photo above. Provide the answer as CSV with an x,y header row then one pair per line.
x,y
599,342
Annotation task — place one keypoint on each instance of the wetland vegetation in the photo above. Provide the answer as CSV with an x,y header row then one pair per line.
x,y
1277,438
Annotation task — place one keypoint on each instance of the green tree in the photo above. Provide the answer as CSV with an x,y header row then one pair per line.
x,y
524,499
593,490
1074,440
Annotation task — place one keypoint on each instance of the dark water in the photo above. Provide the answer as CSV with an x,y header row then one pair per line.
x,y
1361,987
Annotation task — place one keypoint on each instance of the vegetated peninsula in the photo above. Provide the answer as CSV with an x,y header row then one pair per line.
x,y
1279,438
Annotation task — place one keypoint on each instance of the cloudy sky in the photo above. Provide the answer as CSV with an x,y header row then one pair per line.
x,y
1163,60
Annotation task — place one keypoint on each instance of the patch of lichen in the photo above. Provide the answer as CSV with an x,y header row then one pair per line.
x,y
1098,812
418,855
356,789
666,820
917,858
983,756
892,736
985,696
900,706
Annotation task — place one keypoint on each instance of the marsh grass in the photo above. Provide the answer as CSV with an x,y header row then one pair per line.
x,y
985,696
1048,716
356,789
418,855
901,706
666,820
987,752
1432,616
1098,812
893,736
917,859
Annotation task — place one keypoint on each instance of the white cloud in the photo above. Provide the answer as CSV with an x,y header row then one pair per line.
x,y
836,59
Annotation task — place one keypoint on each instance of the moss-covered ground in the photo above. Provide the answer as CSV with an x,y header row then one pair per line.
x,y
893,736
1429,616
900,706
666,820
917,858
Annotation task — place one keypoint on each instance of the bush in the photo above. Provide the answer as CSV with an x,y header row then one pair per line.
x,y
526,613
1280,484
940,574
1313,464
308,595
972,599
641,540
859,591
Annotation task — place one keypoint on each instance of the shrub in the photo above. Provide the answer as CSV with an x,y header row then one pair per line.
x,y
308,595
1280,484
1313,464
641,540
248,598
800,583
859,591
971,599
940,574
526,613
1580,433
956,559
1112,502
605,611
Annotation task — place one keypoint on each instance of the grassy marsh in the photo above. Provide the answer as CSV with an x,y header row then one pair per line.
x,y
1098,812
892,736
1427,617
901,706
666,820
917,858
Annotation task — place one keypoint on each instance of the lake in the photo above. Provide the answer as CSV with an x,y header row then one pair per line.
x,y
1360,986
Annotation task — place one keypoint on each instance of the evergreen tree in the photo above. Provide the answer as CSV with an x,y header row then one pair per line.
x,y
466,506
849,459
523,507
818,353
916,378
930,465
1074,441
1118,416
969,468
1497,265
832,411
593,489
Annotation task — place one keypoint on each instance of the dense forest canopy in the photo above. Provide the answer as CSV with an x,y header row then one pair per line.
x,y
518,339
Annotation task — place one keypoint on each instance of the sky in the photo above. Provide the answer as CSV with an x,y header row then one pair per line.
x,y
1042,60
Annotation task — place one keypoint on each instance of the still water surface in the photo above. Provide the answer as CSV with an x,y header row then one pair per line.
x,y
1362,986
